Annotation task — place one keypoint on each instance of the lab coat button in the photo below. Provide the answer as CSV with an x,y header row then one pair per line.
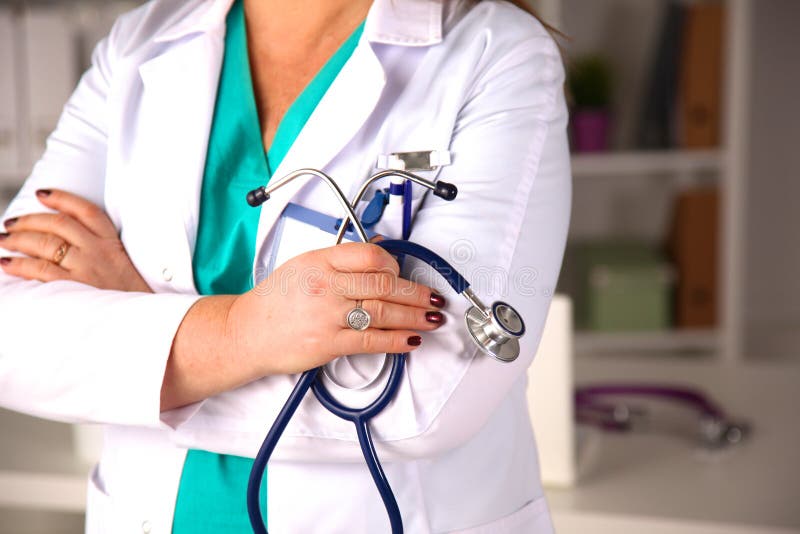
x,y
146,526
166,274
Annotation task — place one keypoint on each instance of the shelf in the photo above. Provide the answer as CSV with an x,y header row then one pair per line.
x,y
659,341
42,491
647,162
39,467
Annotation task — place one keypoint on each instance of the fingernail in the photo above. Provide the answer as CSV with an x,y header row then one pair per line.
x,y
10,222
6,261
437,300
414,341
434,317
42,193
3,236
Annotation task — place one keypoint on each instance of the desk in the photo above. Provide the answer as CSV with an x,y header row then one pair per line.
x,y
654,483
640,483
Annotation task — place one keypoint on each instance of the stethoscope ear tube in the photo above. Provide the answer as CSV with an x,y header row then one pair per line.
x,y
439,264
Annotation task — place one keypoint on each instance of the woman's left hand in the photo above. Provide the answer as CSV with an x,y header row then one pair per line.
x,y
78,243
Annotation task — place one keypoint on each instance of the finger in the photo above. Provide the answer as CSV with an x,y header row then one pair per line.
x,y
391,316
87,213
384,286
359,257
60,224
374,341
377,238
34,244
34,269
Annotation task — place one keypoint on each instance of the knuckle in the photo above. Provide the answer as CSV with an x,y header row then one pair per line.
x,y
415,318
42,269
400,344
91,211
384,284
49,242
372,256
420,293
381,312
369,340
61,219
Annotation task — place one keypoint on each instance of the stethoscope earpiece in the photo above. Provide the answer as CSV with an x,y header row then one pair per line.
x,y
445,190
257,196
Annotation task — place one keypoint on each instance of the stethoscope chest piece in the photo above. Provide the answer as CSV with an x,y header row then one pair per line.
x,y
496,331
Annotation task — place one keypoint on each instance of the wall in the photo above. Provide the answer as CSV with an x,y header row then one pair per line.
x,y
772,293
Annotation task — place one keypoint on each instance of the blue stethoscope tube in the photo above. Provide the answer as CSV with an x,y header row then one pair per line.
x,y
360,417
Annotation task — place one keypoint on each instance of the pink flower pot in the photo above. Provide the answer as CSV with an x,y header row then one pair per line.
x,y
590,130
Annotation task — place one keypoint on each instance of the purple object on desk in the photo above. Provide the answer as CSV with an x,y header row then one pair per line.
x,y
592,406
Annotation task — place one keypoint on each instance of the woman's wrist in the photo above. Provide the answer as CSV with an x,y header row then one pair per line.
x,y
205,358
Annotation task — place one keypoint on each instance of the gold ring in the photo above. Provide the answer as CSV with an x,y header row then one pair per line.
x,y
61,251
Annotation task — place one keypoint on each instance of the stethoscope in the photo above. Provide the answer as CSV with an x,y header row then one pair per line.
x,y
602,405
495,329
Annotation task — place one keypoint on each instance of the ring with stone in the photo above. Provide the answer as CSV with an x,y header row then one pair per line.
x,y
358,318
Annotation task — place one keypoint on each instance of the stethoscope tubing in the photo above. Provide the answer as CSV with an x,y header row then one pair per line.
x,y
359,416
268,446
310,379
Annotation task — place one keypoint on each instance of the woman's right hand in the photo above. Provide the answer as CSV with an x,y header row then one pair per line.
x,y
296,318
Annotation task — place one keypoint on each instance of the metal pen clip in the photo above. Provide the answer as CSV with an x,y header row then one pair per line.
x,y
423,160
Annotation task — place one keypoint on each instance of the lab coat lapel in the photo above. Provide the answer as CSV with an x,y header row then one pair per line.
x,y
177,109
343,110
351,98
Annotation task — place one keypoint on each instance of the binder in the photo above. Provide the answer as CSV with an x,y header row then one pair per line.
x,y
657,128
693,245
701,76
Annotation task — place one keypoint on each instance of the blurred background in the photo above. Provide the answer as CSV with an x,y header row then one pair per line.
x,y
674,340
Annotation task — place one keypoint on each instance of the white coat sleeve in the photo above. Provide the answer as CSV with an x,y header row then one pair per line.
x,y
69,351
505,232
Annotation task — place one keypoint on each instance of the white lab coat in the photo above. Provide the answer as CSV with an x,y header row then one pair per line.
x,y
485,84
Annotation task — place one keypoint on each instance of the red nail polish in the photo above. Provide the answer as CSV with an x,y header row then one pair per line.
x,y
415,341
6,261
42,193
434,317
437,300
10,222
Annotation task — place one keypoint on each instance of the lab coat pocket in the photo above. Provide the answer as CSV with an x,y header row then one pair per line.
x,y
298,230
533,518
390,224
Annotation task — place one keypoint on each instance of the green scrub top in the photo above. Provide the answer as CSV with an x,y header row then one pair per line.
x,y
212,491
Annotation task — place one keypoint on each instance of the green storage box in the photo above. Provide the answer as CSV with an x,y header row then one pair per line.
x,y
622,286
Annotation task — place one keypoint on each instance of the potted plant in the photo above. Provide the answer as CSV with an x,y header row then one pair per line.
x,y
589,83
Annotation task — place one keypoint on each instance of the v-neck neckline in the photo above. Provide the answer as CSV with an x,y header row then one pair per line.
x,y
303,106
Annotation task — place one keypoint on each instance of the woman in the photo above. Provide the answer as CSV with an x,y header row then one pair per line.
x,y
136,210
